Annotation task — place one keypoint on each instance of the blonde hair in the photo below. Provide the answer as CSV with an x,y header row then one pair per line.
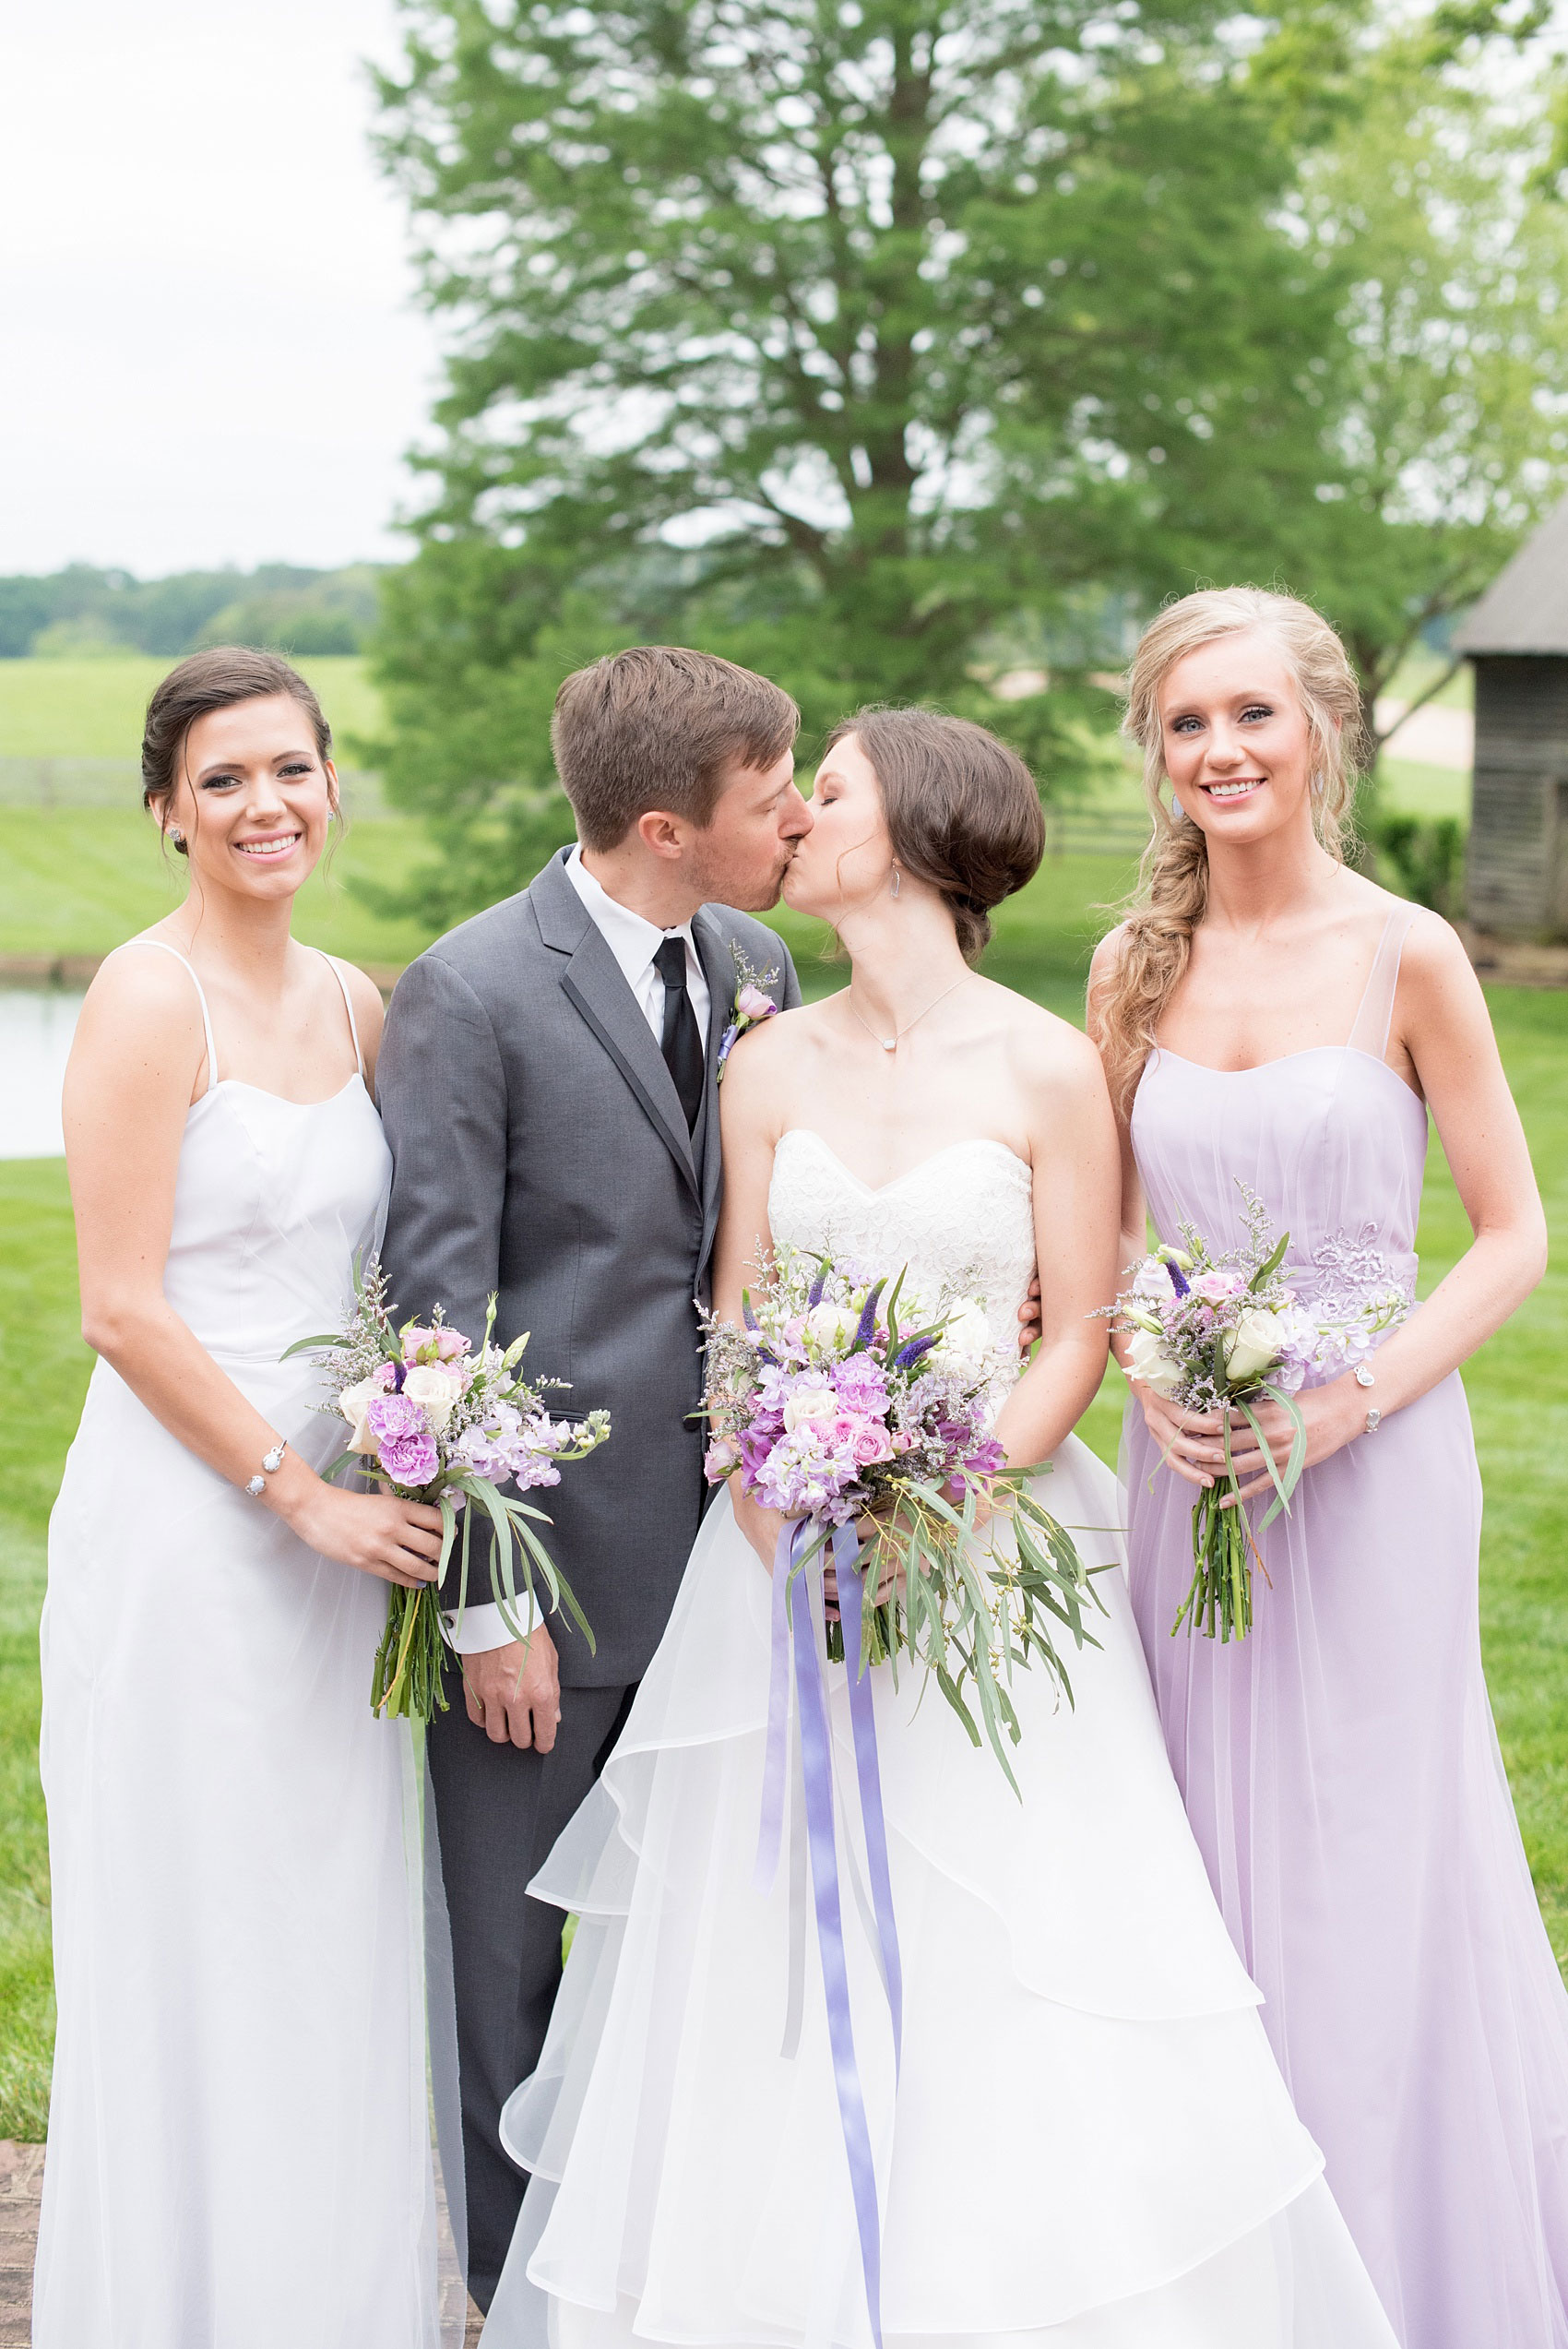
x,y
1173,890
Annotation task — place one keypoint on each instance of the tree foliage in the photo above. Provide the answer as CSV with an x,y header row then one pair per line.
x,y
868,341
1447,427
280,605
835,338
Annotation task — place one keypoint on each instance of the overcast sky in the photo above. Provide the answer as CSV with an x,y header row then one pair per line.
x,y
208,348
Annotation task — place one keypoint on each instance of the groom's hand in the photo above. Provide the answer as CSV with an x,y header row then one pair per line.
x,y
1028,1317
514,1693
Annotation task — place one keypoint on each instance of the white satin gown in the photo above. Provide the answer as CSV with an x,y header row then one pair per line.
x,y
239,2155
1090,2146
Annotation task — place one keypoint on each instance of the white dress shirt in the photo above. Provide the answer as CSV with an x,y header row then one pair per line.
x,y
634,942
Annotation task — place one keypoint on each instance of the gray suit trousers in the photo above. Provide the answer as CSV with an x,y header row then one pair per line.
x,y
500,1810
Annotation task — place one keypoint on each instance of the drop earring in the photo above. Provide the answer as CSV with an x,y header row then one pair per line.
x,y
1178,812
895,881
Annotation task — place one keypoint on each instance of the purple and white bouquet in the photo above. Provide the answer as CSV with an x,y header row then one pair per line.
x,y
1213,1332
435,1419
848,1400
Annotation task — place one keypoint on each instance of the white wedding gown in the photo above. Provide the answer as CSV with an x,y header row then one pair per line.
x,y
1089,2146
239,2155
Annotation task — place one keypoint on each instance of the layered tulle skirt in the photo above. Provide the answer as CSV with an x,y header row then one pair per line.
x,y
1089,2143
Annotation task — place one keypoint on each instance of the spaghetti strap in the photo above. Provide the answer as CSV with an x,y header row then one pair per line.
x,y
1375,1014
348,1008
163,947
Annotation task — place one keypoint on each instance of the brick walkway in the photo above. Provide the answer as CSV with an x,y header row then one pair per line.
x,y
21,2170
21,2173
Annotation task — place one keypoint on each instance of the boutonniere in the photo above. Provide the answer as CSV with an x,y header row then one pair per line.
x,y
752,1003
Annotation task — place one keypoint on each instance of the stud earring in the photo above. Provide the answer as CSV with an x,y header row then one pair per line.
x,y
895,881
176,836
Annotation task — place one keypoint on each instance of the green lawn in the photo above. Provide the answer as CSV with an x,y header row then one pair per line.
x,y
94,709
85,902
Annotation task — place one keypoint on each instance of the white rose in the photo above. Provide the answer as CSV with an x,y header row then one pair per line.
x,y
965,1343
435,1391
1255,1344
1149,1361
831,1327
810,1407
354,1402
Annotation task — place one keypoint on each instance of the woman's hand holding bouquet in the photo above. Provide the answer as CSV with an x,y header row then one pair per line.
x,y
848,1402
442,1426
1217,1348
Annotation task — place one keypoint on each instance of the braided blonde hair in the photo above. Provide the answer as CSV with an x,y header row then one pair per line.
x,y
1173,891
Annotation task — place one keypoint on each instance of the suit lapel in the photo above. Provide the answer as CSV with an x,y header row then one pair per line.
x,y
593,981
719,969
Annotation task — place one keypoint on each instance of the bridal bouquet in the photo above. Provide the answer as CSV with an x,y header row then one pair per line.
x,y
1213,1333
437,1420
845,1399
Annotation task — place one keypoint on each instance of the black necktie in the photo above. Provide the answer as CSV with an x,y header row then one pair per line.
x,y
682,1040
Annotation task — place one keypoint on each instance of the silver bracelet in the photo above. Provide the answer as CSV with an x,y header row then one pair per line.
x,y
271,1463
1364,1378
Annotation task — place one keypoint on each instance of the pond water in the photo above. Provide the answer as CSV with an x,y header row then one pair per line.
x,y
35,1028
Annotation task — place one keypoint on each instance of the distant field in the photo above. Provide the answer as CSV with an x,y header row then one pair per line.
x,y
1408,790
94,709
80,881
1417,672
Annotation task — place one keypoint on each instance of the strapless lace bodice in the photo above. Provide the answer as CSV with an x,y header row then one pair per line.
x,y
962,1220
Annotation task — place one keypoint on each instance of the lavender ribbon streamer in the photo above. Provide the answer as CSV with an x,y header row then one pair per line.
x,y
862,1721
816,1760
791,1609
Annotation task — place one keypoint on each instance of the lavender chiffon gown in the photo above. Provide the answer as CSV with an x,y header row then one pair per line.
x,y
1340,1767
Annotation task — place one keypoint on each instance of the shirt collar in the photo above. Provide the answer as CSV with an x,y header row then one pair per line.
x,y
631,937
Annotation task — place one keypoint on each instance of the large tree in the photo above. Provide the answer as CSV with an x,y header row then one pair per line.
x,y
840,335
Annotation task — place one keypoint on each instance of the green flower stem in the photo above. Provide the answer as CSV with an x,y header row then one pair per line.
x,y
1219,1601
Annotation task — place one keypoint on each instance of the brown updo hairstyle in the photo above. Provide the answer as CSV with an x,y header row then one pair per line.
x,y
216,679
962,810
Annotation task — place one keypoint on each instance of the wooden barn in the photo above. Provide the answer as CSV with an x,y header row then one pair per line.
x,y
1516,639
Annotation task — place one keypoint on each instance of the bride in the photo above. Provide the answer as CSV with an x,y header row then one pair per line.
x,y
1089,2145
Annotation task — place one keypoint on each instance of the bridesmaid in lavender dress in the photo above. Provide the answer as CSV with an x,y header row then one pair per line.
x,y
1269,1017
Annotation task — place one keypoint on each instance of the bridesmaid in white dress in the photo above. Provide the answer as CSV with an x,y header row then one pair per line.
x,y
238,2146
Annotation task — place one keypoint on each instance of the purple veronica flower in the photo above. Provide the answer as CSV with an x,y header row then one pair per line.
x,y
867,1327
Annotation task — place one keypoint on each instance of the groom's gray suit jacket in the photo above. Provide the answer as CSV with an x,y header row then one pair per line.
x,y
540,1151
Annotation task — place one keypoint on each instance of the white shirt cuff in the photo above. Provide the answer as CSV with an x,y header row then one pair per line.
x,y
483,1627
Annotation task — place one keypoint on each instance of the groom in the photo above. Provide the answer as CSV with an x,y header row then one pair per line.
x,y
548,1085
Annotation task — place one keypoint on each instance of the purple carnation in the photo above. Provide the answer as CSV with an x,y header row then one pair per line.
x,y
862,1383
404,1444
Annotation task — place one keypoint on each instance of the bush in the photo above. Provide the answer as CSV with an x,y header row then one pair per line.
x,y
1423,858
